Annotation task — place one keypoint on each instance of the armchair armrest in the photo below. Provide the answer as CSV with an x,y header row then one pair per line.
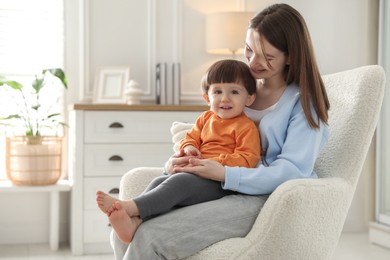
x,y
135,181
302,219
292,225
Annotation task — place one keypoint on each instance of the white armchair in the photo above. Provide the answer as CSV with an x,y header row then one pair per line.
x,y
303,219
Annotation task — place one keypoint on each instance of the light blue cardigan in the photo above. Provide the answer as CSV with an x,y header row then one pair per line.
x,y
291,146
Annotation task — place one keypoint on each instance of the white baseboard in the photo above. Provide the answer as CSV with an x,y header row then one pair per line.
x,y
379,234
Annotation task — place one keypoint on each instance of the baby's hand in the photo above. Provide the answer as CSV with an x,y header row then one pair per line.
x,y
190,150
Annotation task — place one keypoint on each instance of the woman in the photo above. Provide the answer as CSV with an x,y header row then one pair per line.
x,y
291,108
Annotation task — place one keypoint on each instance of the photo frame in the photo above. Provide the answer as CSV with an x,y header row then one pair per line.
x,y
110,83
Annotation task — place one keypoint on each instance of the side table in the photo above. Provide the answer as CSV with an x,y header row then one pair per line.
x,y
54,191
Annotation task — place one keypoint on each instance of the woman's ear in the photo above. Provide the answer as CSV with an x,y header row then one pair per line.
x,y
206,98
250,99
288,61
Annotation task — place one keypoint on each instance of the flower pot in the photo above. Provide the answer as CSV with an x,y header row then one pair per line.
x,y
33,162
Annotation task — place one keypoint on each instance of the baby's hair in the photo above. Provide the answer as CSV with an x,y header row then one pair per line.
x,y
229,71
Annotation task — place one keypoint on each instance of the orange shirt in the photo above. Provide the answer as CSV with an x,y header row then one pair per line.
x,y
231,142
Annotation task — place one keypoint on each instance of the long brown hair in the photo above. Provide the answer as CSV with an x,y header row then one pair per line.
x,y
284,28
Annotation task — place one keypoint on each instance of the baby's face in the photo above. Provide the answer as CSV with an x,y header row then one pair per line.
x,y
228,100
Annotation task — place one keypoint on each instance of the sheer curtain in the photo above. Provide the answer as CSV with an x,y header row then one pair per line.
x,y
31,39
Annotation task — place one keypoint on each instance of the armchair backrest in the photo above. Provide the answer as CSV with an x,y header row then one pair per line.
x,y
355,99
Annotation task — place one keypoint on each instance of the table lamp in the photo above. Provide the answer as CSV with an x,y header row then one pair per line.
x,y
226,31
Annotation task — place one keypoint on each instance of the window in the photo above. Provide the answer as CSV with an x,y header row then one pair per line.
x,y
31,39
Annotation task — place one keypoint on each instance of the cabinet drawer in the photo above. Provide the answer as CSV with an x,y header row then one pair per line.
x,y
109,185
132,127
96,227
116,160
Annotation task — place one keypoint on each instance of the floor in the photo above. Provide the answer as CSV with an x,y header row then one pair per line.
x,y
352,246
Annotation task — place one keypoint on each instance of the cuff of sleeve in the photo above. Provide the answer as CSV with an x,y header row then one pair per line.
x,y
232,178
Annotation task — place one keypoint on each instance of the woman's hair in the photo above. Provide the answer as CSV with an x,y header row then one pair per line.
x,y
284,28
229,71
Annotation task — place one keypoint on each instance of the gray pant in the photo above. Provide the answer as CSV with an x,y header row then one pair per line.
x,y
187,230
167,192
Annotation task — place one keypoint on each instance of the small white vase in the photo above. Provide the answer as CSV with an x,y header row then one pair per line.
x,y
133,93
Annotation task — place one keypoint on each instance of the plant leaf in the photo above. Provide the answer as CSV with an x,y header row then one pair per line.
x,y
59,73
3,124
63,124
13,84
53,115
11,117
37,84
29,132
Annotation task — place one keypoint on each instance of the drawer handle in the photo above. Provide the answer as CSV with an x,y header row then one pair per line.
x,y
116,125
114,191
115,158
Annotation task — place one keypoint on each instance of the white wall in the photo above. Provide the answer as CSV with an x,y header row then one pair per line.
x,y
344,35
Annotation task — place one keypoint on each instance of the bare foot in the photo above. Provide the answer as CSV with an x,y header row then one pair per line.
x,y
105,202
123,225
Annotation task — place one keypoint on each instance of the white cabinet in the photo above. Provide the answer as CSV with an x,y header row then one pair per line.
x,y
106,141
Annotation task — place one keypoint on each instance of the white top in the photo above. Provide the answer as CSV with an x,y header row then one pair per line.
x,y
257,115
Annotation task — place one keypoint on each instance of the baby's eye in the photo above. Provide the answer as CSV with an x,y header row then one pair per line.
x,y
235,92
217,92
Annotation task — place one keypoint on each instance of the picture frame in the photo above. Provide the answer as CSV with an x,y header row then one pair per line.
x,y
110,83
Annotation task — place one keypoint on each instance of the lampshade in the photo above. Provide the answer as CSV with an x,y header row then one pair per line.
x,y
225,32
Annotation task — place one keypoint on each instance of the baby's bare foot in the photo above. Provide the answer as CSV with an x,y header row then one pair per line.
x,y
124,226
105,202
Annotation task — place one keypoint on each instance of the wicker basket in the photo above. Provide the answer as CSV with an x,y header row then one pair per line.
x,y
35,162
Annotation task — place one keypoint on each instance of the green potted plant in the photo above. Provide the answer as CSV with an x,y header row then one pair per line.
x,y
33,158
30,113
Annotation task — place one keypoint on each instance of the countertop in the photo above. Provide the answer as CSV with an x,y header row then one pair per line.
x,y
141,107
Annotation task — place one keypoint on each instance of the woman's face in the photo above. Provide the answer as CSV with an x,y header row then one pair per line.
x,y
257,59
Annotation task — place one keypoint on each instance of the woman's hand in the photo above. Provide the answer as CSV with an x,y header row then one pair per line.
x,y
205,168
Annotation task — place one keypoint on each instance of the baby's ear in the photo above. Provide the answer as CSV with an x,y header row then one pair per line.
x,y
250,99
206,98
